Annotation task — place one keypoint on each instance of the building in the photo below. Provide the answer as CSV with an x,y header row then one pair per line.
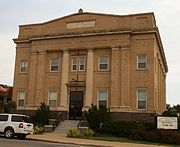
x,y
90,58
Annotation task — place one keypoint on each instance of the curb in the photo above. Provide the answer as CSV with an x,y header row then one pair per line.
x,y
52,141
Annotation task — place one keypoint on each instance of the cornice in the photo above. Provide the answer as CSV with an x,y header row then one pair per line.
x,y
98,33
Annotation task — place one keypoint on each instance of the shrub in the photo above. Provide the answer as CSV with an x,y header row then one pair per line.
x,y
42,115
119,128
10,107
161,136
88,132
96,117
73,133
38,129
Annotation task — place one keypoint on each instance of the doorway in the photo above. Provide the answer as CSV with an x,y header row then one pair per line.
x,y
75,105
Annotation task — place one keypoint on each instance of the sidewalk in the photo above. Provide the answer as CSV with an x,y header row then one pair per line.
x,y
61,138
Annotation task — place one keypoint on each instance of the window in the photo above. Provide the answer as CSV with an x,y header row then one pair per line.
x,y
103,63
103,98
54,65
23,66
52,99
142,99
142,61
21,97
74,64
81,63
3,117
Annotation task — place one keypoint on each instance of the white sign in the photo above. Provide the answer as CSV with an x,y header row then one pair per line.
x,y
167,122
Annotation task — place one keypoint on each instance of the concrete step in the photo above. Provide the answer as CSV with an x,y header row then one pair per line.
x,y
63,127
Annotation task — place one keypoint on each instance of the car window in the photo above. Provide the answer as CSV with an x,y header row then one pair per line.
x,y
17,118
3,117
27,119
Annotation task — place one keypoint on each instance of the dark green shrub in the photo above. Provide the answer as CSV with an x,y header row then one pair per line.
x,y
42,115
96,117
10,107
119,128
161,136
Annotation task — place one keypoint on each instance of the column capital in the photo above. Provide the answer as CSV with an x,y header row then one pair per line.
x,y
115,48
66,51
90,50
125,47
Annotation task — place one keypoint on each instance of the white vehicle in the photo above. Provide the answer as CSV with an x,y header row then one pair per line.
x,y
15,125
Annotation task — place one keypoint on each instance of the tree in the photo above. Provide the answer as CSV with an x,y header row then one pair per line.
x,y
172,111
97,117
42,115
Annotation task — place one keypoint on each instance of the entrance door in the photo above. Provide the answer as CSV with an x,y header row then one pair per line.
x,y
75,105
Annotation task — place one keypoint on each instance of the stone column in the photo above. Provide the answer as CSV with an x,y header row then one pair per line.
x,y
40,78
64,80
125,79
30,101
89,80
115,90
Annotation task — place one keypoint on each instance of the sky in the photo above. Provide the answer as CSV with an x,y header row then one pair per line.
x,y
18,12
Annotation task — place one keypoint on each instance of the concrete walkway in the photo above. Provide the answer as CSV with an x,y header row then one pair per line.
x,y
61,138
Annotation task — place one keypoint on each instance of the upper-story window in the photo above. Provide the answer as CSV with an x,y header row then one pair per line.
x,y
74,64
21,98
54,65
103,63
142,99
103,98
81,64
78,63
142,61
23,66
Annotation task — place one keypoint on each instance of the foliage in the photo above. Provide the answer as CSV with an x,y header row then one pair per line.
x,y
38,129
172,111
161,136
88,132
10,107
118,128
1,106
73,133
97,117
42,115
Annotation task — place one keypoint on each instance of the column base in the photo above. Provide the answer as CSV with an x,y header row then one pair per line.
x,y
63,108
86,108
120,108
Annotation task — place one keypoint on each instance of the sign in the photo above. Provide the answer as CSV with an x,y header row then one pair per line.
x,y
167,122
81,24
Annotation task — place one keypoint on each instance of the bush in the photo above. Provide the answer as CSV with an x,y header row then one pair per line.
x,y
10,107
96,117
73,133
42,115
38,129
119,128
88,132
161,136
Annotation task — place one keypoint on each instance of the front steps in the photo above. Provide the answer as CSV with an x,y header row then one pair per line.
x,y
63,127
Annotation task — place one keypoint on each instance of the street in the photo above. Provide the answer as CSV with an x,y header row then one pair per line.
x,y
29,143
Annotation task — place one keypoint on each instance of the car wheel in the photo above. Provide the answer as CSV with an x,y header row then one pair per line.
x,y
9,133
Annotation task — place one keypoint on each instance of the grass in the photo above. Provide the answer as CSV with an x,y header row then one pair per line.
x,y
121,139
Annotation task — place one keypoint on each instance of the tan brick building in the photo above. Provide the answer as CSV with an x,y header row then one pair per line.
x,y
89,58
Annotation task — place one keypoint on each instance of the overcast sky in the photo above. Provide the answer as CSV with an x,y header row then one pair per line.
x,y
17,12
